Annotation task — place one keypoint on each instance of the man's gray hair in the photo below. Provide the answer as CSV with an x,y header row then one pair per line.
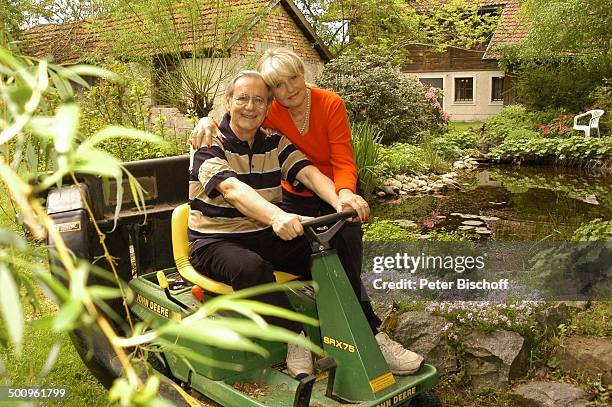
x,y
229,91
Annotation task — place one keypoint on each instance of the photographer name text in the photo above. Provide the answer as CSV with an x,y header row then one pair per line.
x,y
426,284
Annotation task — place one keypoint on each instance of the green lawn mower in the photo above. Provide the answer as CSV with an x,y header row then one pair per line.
x,y
151,254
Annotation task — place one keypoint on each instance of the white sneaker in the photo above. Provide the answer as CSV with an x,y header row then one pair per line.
x,y
299,360
401,361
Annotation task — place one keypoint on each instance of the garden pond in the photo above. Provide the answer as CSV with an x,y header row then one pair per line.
x,y
507,203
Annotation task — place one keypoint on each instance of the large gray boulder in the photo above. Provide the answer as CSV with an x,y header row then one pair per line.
x,y
548,394
590,356
495,358
423,333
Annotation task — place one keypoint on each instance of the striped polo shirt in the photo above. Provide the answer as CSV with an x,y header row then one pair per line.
x,y
262,166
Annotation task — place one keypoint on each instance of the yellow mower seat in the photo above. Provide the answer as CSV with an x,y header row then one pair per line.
x,y
180,250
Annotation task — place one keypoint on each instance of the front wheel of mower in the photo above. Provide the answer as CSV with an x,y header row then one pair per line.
x,y
425,399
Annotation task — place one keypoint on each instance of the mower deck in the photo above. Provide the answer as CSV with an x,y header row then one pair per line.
x,y
270,387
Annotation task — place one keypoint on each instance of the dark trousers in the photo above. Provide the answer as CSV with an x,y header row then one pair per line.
x,y
347,242
250,261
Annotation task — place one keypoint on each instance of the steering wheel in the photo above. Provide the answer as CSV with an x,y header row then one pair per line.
x,y
321,241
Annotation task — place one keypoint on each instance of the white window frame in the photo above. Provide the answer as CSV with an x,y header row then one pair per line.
x,y
474,90
494,102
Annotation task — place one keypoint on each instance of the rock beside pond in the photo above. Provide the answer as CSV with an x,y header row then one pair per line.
x,y
467,164
472,222
548,394
587,355
424,333
388,190
419,184
495,358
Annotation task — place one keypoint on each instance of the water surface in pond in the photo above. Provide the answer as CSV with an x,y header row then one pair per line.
x,y
512,203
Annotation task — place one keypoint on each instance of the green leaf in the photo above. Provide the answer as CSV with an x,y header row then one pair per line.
x,y
42,126
55,286
120,390
270,333
196,356
111,132
63,87
51,358
66,126
119,198
68,74
9,60
78,282
12,239
68,314
90,70
10,308
103,293
147,392
97,162
204,332
31,156
16,98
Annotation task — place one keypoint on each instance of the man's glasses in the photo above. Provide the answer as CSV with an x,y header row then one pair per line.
x,y
243,100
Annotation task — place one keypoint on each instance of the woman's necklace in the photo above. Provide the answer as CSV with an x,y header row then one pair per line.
x,y
307,114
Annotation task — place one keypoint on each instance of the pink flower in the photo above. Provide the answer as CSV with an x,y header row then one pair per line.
x,y
445,116
563,128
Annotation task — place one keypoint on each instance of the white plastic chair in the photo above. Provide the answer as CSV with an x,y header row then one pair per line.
x,y
593,122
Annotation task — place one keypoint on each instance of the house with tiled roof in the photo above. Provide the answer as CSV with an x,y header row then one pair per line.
x,y
265,24
474,86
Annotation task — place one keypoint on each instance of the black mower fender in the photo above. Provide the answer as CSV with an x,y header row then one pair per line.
x,y
65,205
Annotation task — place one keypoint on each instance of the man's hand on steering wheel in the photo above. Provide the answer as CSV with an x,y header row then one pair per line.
x,y
287,225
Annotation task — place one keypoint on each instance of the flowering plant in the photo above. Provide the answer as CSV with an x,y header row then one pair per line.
x,y
487,315
560,125
433,96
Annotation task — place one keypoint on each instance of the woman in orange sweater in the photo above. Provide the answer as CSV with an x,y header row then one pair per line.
x,y
316,122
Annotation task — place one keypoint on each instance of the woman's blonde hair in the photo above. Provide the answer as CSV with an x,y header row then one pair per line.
x,y
277,63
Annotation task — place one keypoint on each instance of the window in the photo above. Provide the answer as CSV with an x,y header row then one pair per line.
x,y
497,89
464,89
435,82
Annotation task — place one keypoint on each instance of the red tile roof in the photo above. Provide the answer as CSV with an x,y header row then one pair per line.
x,y
69,43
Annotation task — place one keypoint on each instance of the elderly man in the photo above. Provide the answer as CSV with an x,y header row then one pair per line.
x,y
239,235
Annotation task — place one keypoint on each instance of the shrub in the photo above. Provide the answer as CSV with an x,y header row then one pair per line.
x,y
508,119
463,140
452,144
125,103
375,90
401,158
433,160
559,85
385,230
595,230
365,141
555,122
601,98
527,146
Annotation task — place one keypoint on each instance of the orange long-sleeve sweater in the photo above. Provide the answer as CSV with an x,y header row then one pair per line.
x,y
327,144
